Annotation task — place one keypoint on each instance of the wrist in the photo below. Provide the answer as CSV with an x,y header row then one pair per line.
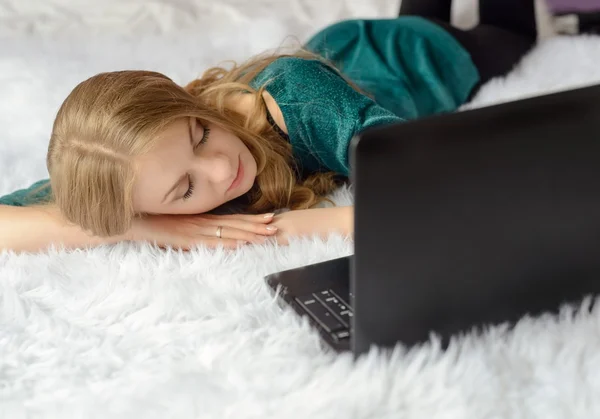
x,y
348,217
346,220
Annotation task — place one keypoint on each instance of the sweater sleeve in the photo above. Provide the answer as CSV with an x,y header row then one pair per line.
x,y
39,192
322,112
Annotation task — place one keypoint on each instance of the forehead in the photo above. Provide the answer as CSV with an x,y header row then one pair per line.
x,y
168,149
171,138
174,131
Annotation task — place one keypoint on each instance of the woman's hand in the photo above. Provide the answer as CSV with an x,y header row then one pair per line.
x,y
317,221
186,231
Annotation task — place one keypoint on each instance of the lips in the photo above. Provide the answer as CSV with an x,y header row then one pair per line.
x,y
238,177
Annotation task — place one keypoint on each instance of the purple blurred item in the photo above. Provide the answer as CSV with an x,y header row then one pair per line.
x,y
573,6
576,16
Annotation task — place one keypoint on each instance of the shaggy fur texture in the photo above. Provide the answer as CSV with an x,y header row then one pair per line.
x,y
131,331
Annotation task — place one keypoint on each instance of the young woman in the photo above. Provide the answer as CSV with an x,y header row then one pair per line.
x,y
133,156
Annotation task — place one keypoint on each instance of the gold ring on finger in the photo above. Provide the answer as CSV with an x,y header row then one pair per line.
x,y
219,231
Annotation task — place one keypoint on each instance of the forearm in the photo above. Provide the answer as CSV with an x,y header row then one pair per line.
x,y
33,229
317,221
344,222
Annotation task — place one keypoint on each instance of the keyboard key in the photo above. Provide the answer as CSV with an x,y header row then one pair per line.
x,y
337,307
338,296
346,314
341,335
346,317
320,313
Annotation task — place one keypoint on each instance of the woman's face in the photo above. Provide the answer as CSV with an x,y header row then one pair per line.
x,y
193,169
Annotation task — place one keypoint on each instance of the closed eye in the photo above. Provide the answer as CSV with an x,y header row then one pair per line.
x,y
204,139
188,194
205,134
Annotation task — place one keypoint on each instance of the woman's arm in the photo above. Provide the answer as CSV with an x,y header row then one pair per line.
x,y
316,221
33,229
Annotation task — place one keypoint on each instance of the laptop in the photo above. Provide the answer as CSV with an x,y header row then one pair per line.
x,y
462,221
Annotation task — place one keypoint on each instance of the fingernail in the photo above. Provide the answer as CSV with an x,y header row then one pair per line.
x,y
270,215
271,228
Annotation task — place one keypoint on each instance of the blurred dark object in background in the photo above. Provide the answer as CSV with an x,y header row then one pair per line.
x,y
576,16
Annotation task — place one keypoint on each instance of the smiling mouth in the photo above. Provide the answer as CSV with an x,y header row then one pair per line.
x,y
238,177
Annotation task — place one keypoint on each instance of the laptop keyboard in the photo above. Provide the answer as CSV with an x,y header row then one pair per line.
x,y
330,311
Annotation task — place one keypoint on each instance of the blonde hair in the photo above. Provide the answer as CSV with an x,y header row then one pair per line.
x,y
110,118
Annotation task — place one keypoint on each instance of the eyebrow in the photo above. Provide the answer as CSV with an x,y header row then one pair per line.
x,y
185,175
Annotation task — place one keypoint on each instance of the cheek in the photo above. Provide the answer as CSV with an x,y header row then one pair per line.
x,y
226,140
243,149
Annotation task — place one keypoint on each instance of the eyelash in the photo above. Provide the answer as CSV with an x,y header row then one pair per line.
x,y
203,140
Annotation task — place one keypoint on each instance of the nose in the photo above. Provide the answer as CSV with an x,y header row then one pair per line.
x,y
217,168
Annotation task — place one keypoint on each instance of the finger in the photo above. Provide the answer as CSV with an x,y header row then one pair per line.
x,y
233,233
210,233
253,218
241,225
242,235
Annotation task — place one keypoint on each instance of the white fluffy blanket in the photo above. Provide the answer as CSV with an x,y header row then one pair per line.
x,y
126,331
